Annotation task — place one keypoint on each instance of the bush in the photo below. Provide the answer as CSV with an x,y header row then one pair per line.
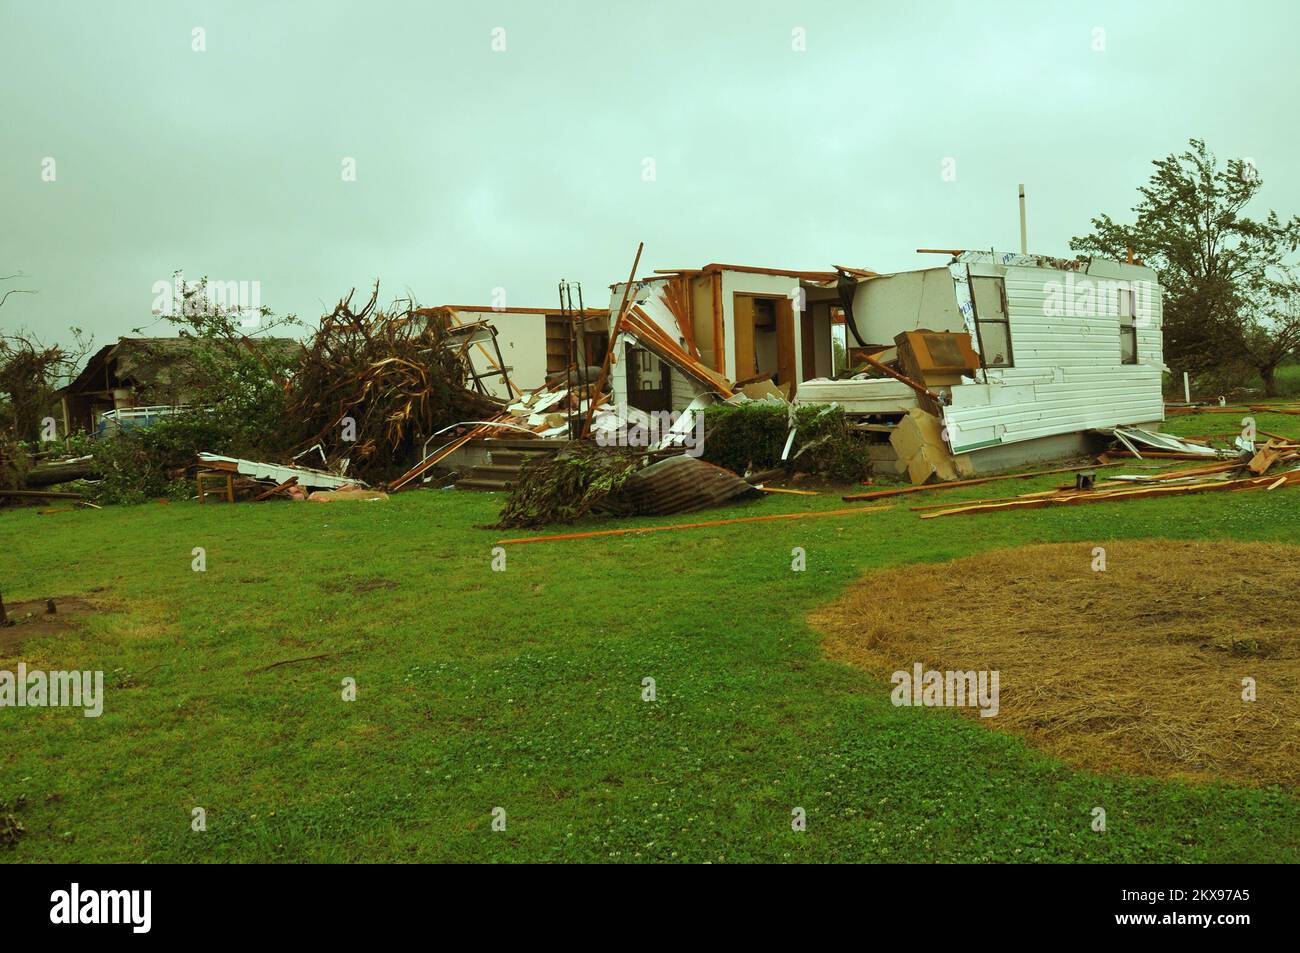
x,y
138,465
741,436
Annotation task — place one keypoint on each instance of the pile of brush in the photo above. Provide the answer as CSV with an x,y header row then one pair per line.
x,y
579,480
373,385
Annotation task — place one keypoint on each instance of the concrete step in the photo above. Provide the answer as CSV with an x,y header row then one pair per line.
x,y
472,483
494,471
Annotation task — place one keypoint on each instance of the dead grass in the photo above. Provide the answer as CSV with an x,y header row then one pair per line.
x,y
1138,668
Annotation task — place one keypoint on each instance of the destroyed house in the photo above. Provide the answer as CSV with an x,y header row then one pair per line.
x,y
1013,358
531,345
137,379
733,322
1061,348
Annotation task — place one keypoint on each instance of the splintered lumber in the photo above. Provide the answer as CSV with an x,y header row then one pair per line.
x,y
848,511
954,484
437,456
1067,499
639,324
1265,458
1001,499
613,336
278,488
1158,455
904,379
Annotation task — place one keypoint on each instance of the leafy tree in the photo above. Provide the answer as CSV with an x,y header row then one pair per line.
x,y
1270,327
1225,276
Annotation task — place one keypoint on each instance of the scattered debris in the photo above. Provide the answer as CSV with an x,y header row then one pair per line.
x,y
278,473
897,491
568,486
1069,498
347,493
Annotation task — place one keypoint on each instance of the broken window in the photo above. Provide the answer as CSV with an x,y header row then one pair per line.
x,y
991,322
1128,341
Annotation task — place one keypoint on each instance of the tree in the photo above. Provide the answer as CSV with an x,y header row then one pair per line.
x,y
30,372
1270,327
1223,274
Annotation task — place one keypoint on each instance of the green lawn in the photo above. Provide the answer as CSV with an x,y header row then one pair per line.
x,y
522,689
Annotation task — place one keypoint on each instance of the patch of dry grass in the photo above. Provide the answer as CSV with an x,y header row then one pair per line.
x,y
1137,668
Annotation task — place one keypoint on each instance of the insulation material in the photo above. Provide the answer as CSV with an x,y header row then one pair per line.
x,y
919,442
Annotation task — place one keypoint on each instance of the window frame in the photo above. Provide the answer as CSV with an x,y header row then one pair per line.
x,y
1004,320
1127,325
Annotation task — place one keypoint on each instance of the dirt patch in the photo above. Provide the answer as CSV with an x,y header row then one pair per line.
x,y
370,585
1138,668
32,620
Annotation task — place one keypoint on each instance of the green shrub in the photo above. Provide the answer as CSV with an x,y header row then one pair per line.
x,y
741,436
138,465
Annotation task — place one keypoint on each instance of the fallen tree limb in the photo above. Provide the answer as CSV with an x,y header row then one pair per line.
x,y
290,661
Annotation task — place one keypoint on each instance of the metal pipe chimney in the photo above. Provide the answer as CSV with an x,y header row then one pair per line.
x,y
1024,235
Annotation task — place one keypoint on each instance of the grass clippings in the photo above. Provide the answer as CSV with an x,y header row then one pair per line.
x,y
1138,668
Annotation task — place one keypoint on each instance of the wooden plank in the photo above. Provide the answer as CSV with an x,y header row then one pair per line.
x,y
743,323
1066,499
786,368
1265,458
896,491
278,488
650,334
434,458
719,345
613,340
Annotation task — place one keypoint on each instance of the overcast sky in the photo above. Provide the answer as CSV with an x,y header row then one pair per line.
x,y
778,134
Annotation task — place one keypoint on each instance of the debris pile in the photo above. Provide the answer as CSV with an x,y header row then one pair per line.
x,y
372,385
1267,466
574,483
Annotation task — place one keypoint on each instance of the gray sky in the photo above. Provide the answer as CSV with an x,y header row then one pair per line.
x,y
478,169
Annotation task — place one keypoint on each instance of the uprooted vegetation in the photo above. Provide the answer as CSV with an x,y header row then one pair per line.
x,y
360,396
1139,668
575,483
374,384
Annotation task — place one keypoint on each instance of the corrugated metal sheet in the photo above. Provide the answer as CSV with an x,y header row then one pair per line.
x,y
681,485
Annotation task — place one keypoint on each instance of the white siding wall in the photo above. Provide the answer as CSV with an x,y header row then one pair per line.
x,y
1067,373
